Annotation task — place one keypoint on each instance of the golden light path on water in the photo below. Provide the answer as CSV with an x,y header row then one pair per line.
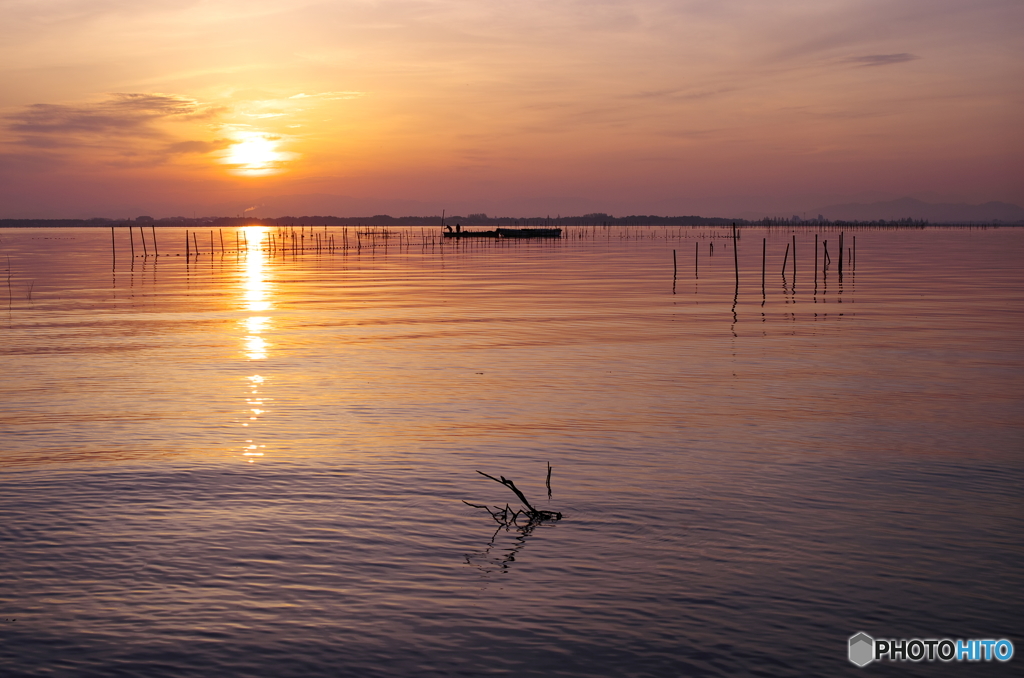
x,y
255,299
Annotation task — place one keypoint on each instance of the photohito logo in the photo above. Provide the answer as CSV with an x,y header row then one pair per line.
x,y
864,649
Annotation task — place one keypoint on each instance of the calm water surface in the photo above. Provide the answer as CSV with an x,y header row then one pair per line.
x,y
252,463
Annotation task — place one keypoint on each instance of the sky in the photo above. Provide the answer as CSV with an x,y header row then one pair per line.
x,y
120,108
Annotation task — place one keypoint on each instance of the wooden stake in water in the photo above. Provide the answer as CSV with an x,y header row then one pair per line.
x,y
113,251
696,259
840,256
131,239
735,255
794,262
156,251
145,250
188,252
785,260
764,257
675,270
815,261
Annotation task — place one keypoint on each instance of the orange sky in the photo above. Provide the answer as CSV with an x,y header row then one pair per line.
x,y
118,107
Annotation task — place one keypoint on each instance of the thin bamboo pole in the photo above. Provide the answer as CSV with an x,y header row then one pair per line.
x,y
735,254
764,257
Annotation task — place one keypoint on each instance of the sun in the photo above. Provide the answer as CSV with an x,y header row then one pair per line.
x,y
256,154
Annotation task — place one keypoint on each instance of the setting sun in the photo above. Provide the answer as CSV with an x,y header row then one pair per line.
x,y
256,154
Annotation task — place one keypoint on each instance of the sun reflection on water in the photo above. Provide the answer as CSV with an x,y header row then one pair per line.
x,y
256,287
256,299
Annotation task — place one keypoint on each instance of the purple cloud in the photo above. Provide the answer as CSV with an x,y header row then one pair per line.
x,y
882,59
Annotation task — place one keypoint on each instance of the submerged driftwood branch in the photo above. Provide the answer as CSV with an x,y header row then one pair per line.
x,y
507,515
512,486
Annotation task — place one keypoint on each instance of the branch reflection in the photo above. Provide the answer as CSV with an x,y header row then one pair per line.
x,y
504,546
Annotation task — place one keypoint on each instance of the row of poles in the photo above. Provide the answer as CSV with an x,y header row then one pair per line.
x,y
289,240
285,240
192,246
131,239
241,243
826,260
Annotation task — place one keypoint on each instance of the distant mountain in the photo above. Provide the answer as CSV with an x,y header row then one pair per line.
x,y
911,208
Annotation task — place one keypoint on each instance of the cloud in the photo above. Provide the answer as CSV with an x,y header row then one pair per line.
x,y
120,115
694,135
198,146
682,94
881,59
330,96
125,125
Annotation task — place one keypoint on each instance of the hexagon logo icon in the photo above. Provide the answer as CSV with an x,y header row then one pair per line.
x,y
862,649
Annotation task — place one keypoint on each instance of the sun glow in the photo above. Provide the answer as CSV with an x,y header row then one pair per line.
x,y
256,154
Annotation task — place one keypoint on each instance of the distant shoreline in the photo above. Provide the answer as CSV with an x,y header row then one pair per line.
x,y
587,220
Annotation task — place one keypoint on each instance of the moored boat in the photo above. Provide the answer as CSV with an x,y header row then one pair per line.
x,y
507,233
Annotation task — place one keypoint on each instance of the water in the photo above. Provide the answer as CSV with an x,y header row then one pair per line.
x,y
254,464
